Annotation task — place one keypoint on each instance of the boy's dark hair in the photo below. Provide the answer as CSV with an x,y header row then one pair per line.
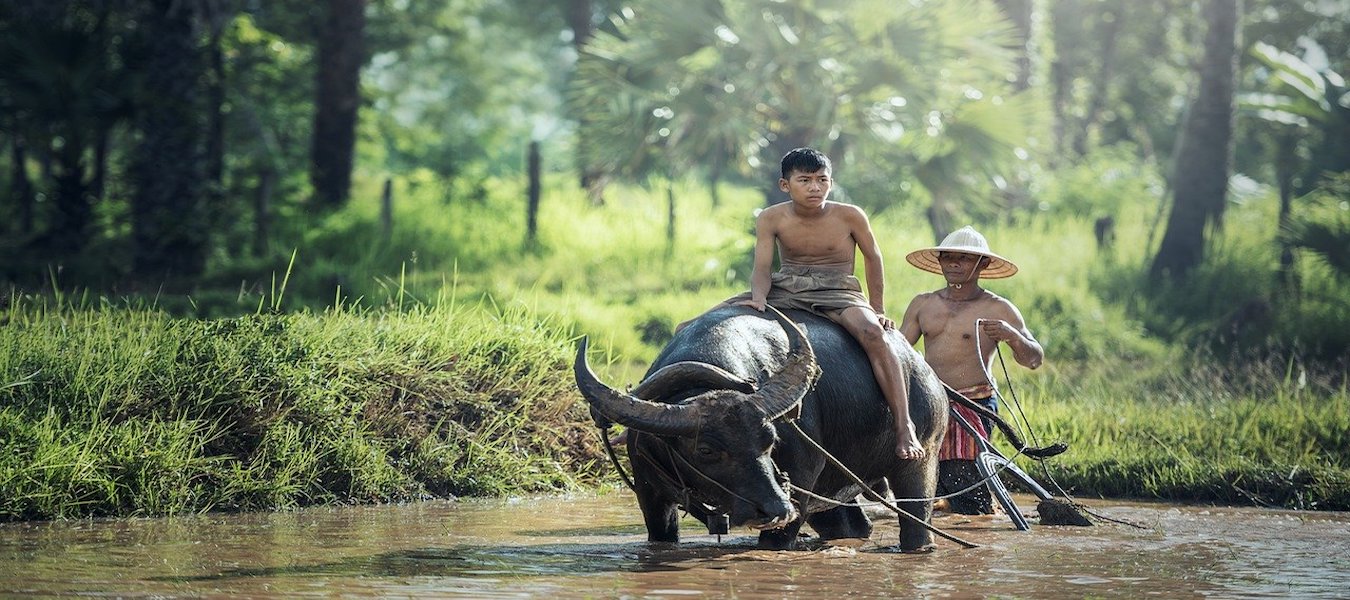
x,y
806,160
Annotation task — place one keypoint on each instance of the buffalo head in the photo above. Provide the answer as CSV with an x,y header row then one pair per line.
x,y
709,433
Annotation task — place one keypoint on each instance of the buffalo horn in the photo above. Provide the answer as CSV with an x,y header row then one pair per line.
x,y
629,410
786,388
688,374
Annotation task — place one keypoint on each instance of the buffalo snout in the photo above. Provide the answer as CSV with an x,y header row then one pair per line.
x,y
769,515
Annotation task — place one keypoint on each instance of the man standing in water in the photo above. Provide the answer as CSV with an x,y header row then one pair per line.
x,y
816,240
961,325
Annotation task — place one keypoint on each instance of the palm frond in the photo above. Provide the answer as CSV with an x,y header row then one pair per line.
x,y
1294,73
1322,227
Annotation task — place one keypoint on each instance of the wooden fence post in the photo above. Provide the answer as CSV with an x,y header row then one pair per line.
x,y
532,206
387,210
670,218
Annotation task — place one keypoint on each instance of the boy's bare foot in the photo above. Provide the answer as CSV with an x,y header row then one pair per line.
x,y
907,445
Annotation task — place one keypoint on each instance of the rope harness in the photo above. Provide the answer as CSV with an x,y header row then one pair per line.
x,y
687,494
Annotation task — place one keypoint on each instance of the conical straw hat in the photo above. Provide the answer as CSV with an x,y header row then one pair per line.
x,y
966,240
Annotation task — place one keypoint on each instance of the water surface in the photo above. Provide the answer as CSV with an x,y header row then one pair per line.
x,y
594,547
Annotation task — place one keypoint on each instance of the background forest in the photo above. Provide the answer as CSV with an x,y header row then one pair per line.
x,y
183,148
1173,177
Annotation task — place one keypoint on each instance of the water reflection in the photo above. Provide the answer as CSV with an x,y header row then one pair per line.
x,y
594,547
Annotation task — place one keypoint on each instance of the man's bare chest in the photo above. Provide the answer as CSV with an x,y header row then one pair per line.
x,y
950,321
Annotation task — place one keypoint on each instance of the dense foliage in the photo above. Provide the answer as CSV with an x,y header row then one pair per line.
x,y
187,147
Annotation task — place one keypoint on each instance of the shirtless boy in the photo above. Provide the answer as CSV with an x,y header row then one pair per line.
x,y
816,240
961,325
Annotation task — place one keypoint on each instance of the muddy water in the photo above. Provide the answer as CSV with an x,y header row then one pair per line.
x,y
594,547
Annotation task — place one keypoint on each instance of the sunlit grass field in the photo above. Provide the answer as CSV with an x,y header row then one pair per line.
x,y
1194,436
360,367
125,411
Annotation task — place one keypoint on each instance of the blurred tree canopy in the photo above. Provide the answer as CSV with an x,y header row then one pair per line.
x,y
146,143
914,90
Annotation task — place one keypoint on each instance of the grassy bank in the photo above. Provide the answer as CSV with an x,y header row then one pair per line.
x,y
115,411
1203,433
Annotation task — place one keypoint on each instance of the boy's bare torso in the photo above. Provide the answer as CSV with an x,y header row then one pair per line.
x,y
949,332
821,239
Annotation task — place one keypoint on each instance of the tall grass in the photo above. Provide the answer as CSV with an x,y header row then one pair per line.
x,y
1273,440
131,412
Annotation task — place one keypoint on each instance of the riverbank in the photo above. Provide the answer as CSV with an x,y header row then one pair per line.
x,y
124,412
121,412
1198,431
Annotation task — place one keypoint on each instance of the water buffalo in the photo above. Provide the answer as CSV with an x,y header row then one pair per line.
x,y
703,434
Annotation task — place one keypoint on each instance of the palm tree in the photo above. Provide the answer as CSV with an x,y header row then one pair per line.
x,y
1205,153
741,83
977,138
1300,104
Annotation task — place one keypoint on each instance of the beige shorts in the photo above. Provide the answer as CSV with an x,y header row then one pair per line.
x,y
826,292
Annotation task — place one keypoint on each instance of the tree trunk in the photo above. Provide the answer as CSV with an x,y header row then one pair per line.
x,y
939,175
1062,71
1203,160
1111,18
21,187
341,54
1286,162
387,211
670,218
168,228
1019,12
219,216
68,231
939,215
715,178
262,212
578,14
98,185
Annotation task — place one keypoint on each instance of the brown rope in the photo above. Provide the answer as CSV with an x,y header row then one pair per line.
x,y
875,497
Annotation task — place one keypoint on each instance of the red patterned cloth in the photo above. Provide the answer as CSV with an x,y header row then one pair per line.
x,y
959,443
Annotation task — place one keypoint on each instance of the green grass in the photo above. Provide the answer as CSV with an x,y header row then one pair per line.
x,y
118,411
1198,435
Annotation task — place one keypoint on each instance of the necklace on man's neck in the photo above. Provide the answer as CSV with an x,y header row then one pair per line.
x,y
961,284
